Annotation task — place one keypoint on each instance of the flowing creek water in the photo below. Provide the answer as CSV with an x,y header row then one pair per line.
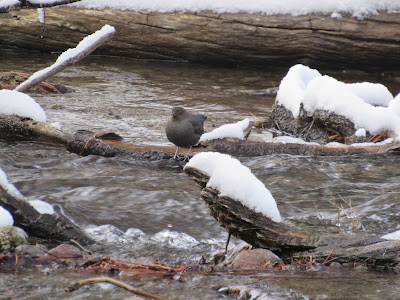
x,y
152,210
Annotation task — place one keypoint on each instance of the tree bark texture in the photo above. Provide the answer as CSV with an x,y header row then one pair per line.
x,y
235,39
55,227
88,143
291,242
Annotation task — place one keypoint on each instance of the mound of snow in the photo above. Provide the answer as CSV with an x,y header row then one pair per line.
x,y
6,218
236,181
42,206
368,105
20,104
234,130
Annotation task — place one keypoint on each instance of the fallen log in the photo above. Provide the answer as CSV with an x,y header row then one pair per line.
x,y
234,39
88,143
54,227
289,241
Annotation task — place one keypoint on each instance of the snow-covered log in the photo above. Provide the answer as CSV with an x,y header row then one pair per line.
x,y
69,57
89,143
55,226
235,39
7,6
289,241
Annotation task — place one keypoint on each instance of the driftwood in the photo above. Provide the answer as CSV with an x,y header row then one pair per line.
x,y
55,227
237,39
289,241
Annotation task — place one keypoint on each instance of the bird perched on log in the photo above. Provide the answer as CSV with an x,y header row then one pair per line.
x,y
184,129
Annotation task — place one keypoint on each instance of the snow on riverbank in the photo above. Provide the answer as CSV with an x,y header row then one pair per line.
x,y
235,180
357,8
369,106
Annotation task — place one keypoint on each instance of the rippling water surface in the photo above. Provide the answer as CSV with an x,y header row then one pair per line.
x,y
152,210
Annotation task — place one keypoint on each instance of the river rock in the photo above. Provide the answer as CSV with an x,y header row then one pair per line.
x,y
33,250
65,251
255,257
11,237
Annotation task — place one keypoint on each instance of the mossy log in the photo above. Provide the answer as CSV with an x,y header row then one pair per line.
x,y
316,40
291,242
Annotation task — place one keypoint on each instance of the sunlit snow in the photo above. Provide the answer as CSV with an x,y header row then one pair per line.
x,y
235,180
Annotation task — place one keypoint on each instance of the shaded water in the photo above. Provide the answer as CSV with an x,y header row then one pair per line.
x,y
152,210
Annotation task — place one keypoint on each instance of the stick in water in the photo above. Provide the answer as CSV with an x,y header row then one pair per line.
x,y
69,57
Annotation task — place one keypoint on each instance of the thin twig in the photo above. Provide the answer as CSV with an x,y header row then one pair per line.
x,y
319,214
80,246
6,289
112,281
338,211
327,258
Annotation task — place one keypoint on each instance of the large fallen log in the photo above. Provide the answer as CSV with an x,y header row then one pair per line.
x,y
235,39
291,242
89,143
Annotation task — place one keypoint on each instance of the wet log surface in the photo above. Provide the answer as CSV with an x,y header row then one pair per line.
x,y
235,39
88,143
51,227
291,242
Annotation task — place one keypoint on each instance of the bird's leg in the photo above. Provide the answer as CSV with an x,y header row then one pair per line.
x,y
187,155
176,151
227,243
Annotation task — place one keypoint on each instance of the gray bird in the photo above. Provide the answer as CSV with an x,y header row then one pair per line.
x,y
184,129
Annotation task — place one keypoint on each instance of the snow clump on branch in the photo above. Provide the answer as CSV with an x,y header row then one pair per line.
x,y
234,180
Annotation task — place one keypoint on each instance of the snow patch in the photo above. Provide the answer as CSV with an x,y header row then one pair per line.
x,y
289,139
20,104
361,132
9,187
235,180
41,15
368,105
357,8
42,206
234,130
392,236
6,218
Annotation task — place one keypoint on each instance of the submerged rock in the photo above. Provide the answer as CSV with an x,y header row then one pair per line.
x,y
11,237
33,250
